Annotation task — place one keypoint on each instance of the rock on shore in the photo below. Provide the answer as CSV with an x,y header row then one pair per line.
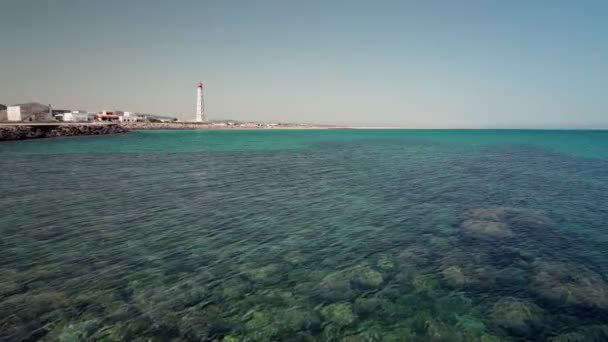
x,y
20,132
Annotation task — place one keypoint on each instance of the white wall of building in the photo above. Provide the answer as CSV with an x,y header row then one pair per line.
x,y
75,116
13,113
129,117
79,115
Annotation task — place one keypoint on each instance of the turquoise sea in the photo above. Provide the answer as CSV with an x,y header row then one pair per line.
x,y
307,235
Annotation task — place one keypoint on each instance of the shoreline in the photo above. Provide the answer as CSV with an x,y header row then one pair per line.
x,y
214,126
36,130
10,131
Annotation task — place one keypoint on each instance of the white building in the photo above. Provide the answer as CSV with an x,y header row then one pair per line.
x,y
127,116
13,113
74,115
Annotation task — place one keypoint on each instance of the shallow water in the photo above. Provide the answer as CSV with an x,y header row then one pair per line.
x,y
305,235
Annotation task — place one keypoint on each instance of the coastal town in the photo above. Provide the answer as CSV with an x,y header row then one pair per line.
x,y
37,112
36,120
34,112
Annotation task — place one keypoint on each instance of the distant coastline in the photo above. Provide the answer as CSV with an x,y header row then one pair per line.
x,y
37,130
221,126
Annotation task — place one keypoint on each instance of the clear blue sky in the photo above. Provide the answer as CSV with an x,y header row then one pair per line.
x,y
444,63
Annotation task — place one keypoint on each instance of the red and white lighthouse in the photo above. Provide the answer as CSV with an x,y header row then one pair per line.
x,y
200,104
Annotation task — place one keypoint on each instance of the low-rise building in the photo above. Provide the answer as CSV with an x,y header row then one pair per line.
x,y
129,117
13,113
106,115
73,116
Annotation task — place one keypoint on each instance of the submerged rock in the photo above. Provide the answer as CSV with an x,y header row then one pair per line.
x,y
471,325
385,263
266,275
235,289
593,333
275,296
486,229
78,332
416,255
340,314
500,222
203,323
346,283
294,258
424,282
260,325
276,324
452,306
336,286
570,284
364,306
516,316
438,331
297,319
366,277
30,307
501,214
468,275
374,306
9,284
454,276
425,327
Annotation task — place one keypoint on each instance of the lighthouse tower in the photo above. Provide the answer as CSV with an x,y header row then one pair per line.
x,y
200,105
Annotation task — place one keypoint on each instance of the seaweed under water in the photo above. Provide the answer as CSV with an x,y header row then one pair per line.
x,y
304,236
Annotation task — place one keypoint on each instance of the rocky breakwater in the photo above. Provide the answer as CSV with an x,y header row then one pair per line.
x,y
40,130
